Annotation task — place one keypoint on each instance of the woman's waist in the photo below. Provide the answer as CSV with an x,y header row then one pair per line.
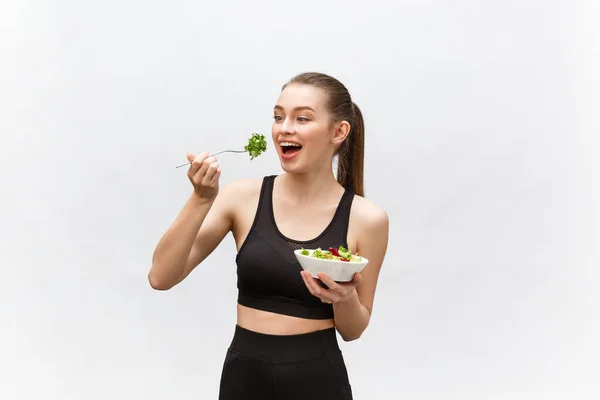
x,y
273,323
284,347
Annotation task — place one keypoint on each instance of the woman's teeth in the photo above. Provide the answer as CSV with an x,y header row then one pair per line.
x,y
289,144
287,147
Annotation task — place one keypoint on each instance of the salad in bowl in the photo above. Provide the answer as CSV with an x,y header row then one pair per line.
x,y
336,262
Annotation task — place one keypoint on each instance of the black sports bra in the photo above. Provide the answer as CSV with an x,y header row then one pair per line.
x,y
268,272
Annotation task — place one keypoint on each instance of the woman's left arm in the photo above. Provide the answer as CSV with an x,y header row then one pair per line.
x,y
353,301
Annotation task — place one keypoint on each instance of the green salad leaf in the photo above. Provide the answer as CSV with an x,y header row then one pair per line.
x,y
256,145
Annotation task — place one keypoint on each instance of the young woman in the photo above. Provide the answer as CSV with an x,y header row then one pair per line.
x,y
284,345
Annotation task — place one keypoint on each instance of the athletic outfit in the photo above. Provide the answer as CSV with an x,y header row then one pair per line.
x,y
306,366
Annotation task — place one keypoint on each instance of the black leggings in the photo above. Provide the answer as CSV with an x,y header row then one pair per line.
x,y
288,367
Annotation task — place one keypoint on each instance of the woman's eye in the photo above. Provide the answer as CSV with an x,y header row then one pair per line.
x,y
278,118
302,119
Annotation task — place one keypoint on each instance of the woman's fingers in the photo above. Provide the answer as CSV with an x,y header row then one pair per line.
x,y
215,178
331,284
210,173
357,279
202,168
204,173
196,163
316,290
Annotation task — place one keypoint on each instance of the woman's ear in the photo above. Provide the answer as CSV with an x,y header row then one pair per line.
x,y
342,129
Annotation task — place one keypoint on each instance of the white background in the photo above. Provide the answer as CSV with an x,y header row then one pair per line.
x,y
481,143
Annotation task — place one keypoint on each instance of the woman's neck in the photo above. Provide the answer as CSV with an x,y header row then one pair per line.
x,y
310,186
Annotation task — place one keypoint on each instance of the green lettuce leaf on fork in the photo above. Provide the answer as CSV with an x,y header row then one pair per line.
x,y
257,144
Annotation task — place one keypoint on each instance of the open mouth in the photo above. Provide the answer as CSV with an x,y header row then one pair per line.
x,y
290,148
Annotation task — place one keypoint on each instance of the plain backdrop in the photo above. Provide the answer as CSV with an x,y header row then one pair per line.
x,y
481,137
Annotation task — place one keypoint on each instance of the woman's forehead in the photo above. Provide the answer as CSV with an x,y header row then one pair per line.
x,y
294,96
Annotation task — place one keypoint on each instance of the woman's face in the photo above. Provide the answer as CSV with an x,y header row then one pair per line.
x,y
302,129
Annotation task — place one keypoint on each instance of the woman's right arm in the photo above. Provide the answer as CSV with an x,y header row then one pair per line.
x,y
200,226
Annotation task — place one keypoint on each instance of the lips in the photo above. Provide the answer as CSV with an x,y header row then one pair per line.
x,y
289,148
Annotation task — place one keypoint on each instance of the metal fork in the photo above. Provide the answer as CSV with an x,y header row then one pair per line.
x,y
224,151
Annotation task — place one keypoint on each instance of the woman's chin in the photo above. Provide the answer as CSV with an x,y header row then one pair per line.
x,y
289,168
300,166
292,167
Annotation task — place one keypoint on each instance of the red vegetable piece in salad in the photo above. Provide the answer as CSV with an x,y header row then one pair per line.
x,y
334,251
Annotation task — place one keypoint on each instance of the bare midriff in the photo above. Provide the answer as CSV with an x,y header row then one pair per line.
x,y
278,324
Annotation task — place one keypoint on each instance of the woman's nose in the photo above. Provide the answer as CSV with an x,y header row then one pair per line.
x,y
287,126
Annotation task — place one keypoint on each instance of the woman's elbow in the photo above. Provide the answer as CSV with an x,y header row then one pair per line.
x,y
350,337
158,283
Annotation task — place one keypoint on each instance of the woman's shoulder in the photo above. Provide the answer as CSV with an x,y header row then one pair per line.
x,y
243,186
368,213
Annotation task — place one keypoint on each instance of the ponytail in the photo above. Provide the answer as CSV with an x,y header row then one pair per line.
x,y
351,155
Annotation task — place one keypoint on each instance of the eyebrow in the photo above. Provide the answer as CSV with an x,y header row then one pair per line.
x,y
277,107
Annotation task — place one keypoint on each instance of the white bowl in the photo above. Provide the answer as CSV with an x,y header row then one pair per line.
x,y
339,271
